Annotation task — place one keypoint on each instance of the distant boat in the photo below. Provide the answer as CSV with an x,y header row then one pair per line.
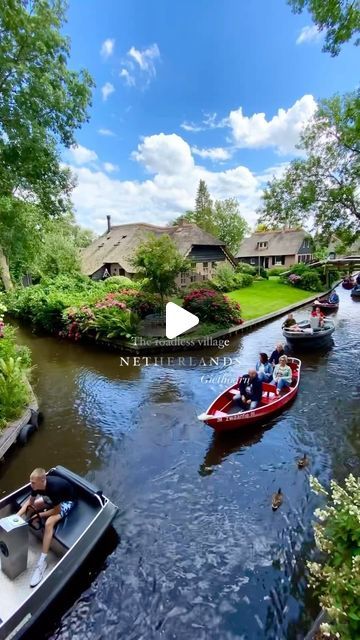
x,y
348,283
308,337
325,305
73,539
223,413
355,291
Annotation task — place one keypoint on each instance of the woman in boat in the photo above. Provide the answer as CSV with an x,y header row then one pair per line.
x,y
278,351
282,375
264,368
320,316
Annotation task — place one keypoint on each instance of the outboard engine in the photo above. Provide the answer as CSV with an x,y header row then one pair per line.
x,y
14,544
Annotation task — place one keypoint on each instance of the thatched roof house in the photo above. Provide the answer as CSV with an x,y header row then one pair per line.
x,y
115,249
273,248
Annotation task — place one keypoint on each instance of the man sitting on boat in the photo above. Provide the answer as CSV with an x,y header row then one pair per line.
x,y
264,368
282,376
290,323
51,498
250,391
334,298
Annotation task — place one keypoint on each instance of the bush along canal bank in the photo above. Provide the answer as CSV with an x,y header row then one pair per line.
x,y
130,319
18,404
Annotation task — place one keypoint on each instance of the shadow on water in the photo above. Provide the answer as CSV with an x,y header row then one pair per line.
x,y
222,445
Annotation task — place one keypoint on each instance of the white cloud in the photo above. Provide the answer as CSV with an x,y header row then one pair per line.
x,y
107,90
81,155
169,191
282,131
164,154
106,132
107,48
139,66
209,121
109,167
309,34
128,78
215,153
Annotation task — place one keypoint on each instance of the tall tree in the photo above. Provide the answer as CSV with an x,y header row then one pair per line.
x,y
222,219
42,103
323,188
231,226
339,19
159,260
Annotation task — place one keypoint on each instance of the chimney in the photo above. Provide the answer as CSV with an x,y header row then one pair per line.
x,y
108,217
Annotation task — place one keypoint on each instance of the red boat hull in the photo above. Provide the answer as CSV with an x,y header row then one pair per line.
x,y
218,417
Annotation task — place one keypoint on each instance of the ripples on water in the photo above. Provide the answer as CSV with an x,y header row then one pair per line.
x,y
201,555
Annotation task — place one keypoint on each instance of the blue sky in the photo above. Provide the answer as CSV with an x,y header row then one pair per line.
x,y
192,89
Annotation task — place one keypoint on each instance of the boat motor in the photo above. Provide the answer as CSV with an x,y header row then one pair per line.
x,y
14,544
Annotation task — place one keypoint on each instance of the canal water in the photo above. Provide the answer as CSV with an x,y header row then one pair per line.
x,y
199,553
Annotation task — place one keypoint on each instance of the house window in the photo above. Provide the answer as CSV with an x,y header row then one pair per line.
x,y
183,278
205,265
204,277
279,260
213,265
252,261
193,266
262,245
193,277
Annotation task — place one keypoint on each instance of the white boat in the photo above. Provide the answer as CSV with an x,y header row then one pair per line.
x,y
20,548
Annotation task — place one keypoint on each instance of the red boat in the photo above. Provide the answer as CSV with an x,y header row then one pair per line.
x,y
348,283
223,413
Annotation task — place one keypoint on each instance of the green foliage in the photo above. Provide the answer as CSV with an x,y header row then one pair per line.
x,y
310,280
194,286
159,260
15,363
42,103
230,226
324,186
113,322
244,267
226,279
213,307
222,219
276,271
121,282
337,535
339,20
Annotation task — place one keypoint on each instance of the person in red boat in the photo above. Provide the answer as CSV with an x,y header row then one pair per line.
x,y
250,391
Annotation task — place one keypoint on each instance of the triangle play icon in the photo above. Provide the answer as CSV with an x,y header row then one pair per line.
x,y
178,320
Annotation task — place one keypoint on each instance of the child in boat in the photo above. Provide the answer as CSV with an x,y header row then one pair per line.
x,y
264,368
282,376
334,298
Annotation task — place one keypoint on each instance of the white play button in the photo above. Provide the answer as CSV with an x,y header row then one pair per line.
x,y
178,320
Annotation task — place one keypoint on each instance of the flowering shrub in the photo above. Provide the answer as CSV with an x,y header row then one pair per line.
x,y
226,279
294,279
213,307
337,535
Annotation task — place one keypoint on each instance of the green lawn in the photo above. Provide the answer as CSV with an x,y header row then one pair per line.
x,y
266,296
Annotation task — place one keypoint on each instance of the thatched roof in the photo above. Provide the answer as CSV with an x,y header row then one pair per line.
x,y
119,245
280,243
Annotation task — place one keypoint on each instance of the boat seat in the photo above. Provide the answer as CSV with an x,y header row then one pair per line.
x,y
267,399
234,392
